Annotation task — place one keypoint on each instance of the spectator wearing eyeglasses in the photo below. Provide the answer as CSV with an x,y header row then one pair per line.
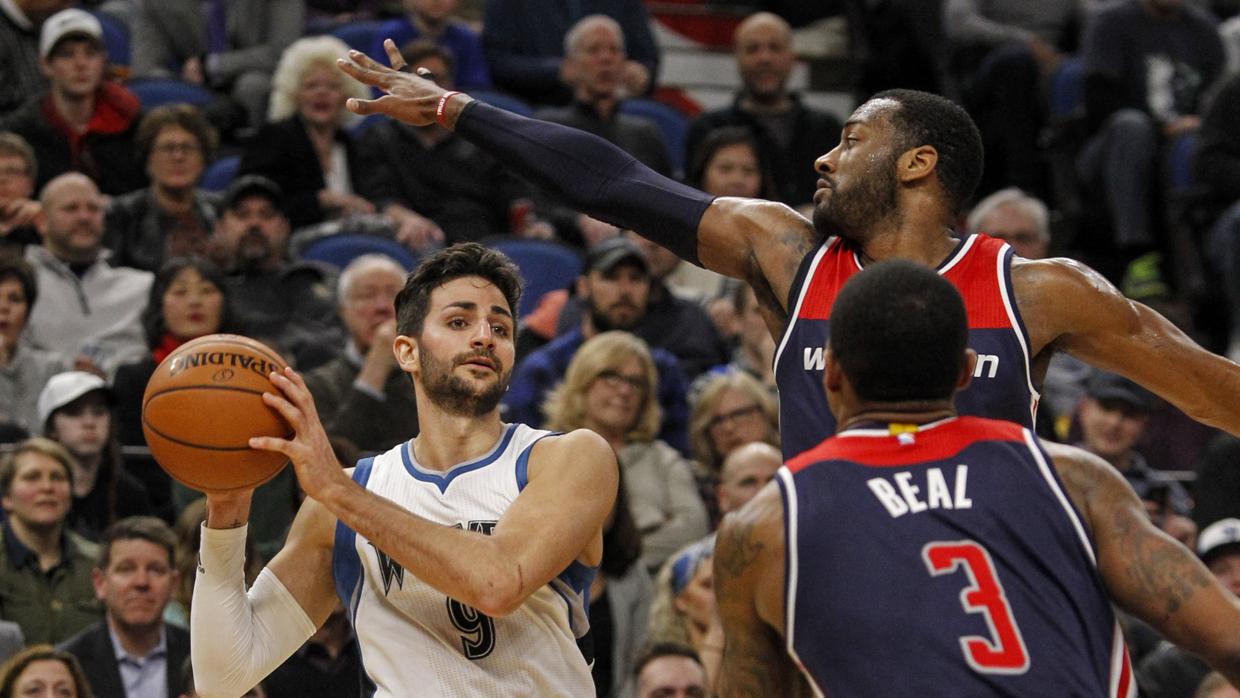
x,y
615,288
730,409
610,388
172,217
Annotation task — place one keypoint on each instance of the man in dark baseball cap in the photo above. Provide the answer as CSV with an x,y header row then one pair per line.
x,y
253,230
1113,417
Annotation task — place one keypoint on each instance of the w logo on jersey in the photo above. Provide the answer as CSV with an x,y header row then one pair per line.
x,y
389,569
815,359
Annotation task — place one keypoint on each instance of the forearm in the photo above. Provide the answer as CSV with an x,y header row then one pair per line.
x,y
465,565
238,638
590,174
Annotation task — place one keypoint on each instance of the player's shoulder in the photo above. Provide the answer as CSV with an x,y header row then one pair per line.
x,y
582,442
1051,270
580,450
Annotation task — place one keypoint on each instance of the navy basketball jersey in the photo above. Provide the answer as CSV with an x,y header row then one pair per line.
x,y
979,268
945,560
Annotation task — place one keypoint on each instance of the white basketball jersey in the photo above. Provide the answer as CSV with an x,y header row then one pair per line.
x,y
416,641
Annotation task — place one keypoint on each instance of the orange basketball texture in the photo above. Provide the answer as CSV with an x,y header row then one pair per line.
x,y
202,405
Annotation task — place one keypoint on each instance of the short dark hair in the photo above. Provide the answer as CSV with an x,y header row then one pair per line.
x,y
929,119
461,259
664,649
147,528
899,332
14,267
719,138
154,325
183,116
417,50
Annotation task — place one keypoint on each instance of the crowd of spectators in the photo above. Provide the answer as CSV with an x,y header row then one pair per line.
x,y
1110,132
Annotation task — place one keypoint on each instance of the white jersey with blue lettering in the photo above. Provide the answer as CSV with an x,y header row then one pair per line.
x,y
414,640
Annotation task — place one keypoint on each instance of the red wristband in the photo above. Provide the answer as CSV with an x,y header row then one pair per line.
x,y
440,110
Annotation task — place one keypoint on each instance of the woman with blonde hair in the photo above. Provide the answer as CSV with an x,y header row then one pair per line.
x,y
610,387
307,149
730,409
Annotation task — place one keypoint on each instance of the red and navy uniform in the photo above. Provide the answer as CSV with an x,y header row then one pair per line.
x,y
943,560
980,269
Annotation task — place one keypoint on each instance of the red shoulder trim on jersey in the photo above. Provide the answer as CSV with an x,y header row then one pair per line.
x,y
825,280
977,278
898,450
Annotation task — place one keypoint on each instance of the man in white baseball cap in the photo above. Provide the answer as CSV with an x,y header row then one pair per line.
x,y
83,122
66,23
64,388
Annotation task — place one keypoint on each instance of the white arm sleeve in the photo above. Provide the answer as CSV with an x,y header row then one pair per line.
x,y
238,638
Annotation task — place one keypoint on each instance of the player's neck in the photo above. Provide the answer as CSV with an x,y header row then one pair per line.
x,y
910,412
446,439
929,248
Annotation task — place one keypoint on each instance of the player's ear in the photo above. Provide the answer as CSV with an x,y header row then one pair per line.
x,y
832,373
917,163
406,350
966,373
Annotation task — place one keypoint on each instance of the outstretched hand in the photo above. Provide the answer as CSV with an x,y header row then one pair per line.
x,y
410,98
309,450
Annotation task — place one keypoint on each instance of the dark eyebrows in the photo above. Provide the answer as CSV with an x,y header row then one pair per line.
x,y
470,305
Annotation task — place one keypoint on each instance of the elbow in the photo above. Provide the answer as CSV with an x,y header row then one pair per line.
x,y
499,593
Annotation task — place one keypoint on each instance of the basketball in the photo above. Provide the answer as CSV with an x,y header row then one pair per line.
x,y
202,405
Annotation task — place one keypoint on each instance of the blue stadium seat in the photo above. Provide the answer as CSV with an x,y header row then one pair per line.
x,y
340,249
545,266
358,35
1067,89
153,92
220,173
670,121
115,39
503,101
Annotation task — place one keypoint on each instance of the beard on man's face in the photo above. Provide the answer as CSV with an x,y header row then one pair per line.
x,y
252,249
851,210
608,319
456,395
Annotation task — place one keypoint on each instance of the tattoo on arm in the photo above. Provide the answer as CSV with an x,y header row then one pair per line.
x,y
1156,566
750,670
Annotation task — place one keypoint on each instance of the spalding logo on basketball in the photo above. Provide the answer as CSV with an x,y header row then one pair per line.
x,y
202,405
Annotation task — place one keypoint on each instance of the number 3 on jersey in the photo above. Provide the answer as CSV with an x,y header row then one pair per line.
x,y
477,629
1004,651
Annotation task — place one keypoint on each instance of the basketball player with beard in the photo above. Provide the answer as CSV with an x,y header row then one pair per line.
x,y
906,165
463,556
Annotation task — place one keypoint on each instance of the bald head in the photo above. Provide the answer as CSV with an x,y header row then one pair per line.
x,y
72,222
764,57
745,471
760,22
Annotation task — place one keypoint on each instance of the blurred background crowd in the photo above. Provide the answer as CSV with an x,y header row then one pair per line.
x,y
176,168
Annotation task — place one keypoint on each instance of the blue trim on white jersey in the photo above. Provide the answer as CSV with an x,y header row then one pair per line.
x,y
346,565
523,461
443,480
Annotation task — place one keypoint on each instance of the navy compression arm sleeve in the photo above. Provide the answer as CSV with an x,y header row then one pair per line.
x,y
590,174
